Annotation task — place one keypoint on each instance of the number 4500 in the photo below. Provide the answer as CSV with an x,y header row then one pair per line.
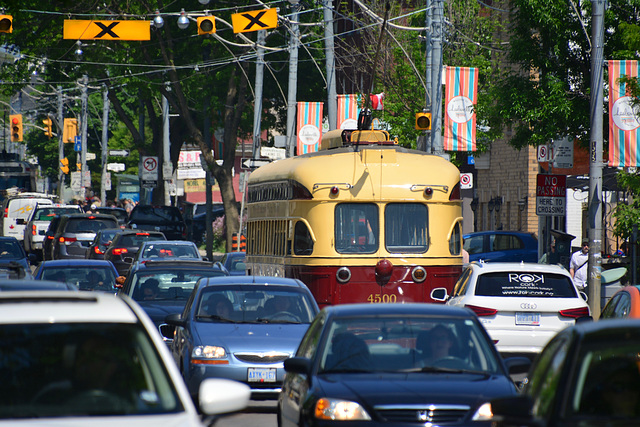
x,y
377,298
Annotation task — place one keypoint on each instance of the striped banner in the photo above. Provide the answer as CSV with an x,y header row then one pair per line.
x,y
460,118
624,126
348,111
309,126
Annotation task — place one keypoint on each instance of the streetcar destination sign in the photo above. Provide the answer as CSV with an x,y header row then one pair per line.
x,y
551,195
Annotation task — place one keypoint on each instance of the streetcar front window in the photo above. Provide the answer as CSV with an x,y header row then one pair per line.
x,y
356,228
302,241
406,228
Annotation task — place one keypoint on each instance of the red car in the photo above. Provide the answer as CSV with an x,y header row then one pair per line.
x,y
624,303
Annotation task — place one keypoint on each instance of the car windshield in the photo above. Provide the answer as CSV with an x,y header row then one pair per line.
x,y
47,214
407,344
155,214
86,278
518,284
10,250
82,369
153,251
169,284
254,304
608,382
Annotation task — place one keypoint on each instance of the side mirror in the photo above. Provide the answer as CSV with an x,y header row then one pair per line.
x,y
517,365
20,221
33,259
175,319
513,410
439,294
298,365
220,396
128,259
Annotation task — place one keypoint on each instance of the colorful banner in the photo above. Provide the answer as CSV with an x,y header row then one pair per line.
x,y
376,101
624,126
460,116
348,111
309,126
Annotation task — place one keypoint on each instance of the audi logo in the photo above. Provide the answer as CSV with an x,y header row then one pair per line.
x,y
528,306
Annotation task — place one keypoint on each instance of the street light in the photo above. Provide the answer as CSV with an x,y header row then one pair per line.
x,y
183,21
158,22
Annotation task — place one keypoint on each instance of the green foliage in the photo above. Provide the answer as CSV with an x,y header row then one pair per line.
x,y
628,215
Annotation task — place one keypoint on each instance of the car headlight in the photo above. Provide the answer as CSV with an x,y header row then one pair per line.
x,y
484,413
340,410
208,352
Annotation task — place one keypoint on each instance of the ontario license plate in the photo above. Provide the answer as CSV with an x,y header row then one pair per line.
x,y
530,319
261,375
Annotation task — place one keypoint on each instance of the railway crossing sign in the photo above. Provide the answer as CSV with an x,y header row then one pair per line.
x,y
76,29
254,20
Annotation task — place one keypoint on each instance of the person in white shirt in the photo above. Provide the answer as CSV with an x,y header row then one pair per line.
x,y
578,266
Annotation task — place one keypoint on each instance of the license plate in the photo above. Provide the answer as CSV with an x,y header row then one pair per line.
x,y
261,375
530,319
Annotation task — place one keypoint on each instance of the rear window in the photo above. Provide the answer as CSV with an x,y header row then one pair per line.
x,y
156,214
136,240
47,214
119,214
86,225
517,284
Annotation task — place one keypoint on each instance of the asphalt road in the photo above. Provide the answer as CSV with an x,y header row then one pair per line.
x,y
258,414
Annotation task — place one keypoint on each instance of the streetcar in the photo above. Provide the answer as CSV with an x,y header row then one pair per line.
x,y
360,220
16,176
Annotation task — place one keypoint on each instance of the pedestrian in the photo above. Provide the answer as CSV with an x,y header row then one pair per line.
x,y
578,265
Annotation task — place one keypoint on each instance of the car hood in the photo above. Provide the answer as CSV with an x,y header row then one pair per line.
x,y
158,310
251,336
168,420
415,388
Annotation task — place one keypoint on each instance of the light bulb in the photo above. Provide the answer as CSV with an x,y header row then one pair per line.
x,y
204,1
158,22
183,21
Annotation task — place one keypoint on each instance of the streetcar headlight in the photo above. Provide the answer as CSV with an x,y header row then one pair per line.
x,y
339,410
343,275
418,274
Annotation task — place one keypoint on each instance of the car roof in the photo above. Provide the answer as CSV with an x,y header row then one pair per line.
x,y
76,262
64,306
89,215
422,309
484,233
491,267
168,242
34,285
178,263
8,239
252,280
607,327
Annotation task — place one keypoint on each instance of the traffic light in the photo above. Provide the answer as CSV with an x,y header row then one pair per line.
x,y
206,25
70,130
423,121
6,24
16,127
64,165
48,127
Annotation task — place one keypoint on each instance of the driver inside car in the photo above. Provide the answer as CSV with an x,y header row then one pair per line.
x,y
436,344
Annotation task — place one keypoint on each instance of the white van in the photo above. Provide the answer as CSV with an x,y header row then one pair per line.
x,y
17,209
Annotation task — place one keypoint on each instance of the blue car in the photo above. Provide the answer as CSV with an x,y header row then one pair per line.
x,y
14,262
85,274
234,262
241,328
501,246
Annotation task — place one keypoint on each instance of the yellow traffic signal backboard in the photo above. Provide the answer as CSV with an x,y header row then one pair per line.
x,y
15,121
254,20
106,30
206,25
70,130
6,24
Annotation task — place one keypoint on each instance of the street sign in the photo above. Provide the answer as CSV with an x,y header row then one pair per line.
x,y
76,181
254,163
90,156
254,20
551,195
115,167
466,181
121,153
77,145
106,30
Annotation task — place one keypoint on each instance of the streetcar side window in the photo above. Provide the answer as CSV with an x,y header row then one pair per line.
x,y
302,241
455,242
356,228
406,228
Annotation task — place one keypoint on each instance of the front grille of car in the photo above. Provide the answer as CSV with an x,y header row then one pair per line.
x,y
270,357
433,414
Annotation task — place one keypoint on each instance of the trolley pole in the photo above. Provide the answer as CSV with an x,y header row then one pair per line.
x,y
595,167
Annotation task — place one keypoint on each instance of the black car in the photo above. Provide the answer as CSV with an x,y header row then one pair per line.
x,y
120,213
125,246
101,242
14,261
587,375
174,280
166,219
49,236
394,364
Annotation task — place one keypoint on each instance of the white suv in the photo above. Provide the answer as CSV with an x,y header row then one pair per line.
x,y
521,305
91,358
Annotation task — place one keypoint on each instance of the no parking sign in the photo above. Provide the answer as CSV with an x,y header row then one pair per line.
x,y
466,180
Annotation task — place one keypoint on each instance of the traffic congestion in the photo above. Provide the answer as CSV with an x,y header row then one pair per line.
x,y
426,229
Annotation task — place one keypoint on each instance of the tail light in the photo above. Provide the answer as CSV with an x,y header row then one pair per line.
x,y
6,212
97,250
142,234
482,311
455,192
33,229
119,251
575,312
66,240
184,232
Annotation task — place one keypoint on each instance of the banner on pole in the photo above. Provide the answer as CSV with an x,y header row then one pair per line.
x,y
348,111
309,126
460,116
624,126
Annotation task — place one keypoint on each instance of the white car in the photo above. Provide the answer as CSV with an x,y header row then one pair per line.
x,y
521,305
79,359
38,222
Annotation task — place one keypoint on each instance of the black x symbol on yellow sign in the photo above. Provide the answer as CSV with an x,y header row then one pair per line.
x,y
255,20
106,30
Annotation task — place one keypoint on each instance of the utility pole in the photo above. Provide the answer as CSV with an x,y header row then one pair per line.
x,y
257,110
332,98
165,150
294,35
595,154
60,128
437,146
83,138
105,141
425,144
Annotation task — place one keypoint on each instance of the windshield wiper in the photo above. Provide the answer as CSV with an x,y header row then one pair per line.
x,y
214,317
